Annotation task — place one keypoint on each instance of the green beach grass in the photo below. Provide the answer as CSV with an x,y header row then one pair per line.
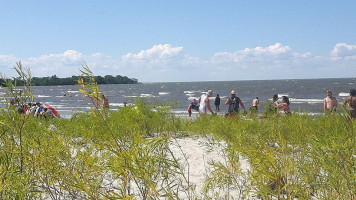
x,y
126,154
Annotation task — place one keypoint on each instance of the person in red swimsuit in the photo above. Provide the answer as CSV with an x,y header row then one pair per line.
x,y
190,109
285,105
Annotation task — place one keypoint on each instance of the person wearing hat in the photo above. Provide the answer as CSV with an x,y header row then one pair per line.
x,y
205,103
330,102
234,103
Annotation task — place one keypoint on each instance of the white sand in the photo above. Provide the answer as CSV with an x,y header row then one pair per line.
x,y
198,153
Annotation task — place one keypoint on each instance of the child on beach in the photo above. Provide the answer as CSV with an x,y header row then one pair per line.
x,y
217,102
191,105
285,105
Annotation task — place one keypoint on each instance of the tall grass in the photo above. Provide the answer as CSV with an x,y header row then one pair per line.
x,y
126,154
296,156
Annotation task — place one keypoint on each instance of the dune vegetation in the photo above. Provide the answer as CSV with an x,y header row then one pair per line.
x,y
126,154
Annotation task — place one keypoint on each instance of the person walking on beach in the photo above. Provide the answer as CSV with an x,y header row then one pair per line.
x,y
217,102
205,103
234,103
330,102
350,104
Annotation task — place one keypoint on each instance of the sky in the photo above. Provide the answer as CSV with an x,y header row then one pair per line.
x,y
185,40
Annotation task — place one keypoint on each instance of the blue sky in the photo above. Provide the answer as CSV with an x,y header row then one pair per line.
x,y
195,40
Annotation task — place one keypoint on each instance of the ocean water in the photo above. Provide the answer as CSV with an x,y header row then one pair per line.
x,y
306,95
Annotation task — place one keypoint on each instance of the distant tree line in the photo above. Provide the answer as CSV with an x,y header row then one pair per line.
x,y
54,80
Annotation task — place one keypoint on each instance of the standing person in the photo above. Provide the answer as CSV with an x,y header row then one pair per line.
x,y
254,108
217,102
191,105
350,102
330,102
196,105
255,103
285,105
273,106
275,100
105,101
205,103
234,103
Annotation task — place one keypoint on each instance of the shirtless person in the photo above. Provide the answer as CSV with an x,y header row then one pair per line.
x,y
330,102
254,108
205,103
255,103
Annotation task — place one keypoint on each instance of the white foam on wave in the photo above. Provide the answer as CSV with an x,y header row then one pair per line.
x,y
73,91
117,104
147,95
133,96
311,101
42,96
192,98
343,94
285,94
189,92
163,93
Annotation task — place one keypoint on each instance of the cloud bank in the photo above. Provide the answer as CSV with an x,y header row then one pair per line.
x,y
164,62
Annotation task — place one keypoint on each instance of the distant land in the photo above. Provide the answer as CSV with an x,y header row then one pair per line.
x,y
54,80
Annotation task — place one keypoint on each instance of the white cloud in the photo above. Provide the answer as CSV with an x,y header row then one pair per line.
x,y
257,54
63,64
164,62
156,54
343,50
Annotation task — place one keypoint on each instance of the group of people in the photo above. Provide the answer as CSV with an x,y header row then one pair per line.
x,y
234,103
330,103
35,109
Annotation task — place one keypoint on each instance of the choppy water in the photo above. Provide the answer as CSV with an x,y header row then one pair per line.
x,y
305,95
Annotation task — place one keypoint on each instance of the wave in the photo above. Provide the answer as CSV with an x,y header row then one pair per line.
x,y
42,96
311,101
163,93
192,98
190,92
285,94
117,104
147,95
343,94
